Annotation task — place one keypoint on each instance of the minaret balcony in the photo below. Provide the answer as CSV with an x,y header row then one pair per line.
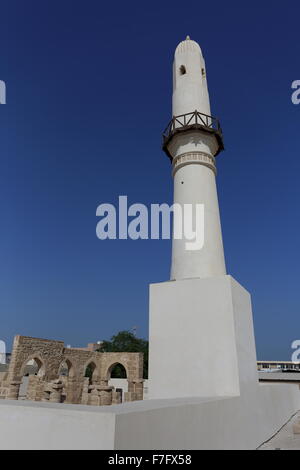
x,y
193,121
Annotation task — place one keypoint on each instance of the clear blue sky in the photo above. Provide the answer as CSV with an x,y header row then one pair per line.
x,y
88,94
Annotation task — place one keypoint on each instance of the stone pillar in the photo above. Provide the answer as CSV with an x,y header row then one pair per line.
x,y
99,395
136,388
130,396
94,396
13,389
106,395
56,392
139,388
116,397
85,392
74,388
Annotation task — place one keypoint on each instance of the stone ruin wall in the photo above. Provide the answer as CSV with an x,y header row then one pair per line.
x,y
49,385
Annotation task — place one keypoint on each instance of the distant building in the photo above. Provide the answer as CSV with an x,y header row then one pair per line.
x,y
278,365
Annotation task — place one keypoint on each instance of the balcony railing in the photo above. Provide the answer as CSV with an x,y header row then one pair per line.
x,y
191,119
194,120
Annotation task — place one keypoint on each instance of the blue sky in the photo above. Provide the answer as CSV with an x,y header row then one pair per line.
x,y
88,94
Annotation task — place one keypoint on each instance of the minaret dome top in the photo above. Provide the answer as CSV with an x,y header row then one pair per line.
x,y
190,102
188,45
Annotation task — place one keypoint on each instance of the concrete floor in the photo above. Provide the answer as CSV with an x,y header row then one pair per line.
x,y
285,439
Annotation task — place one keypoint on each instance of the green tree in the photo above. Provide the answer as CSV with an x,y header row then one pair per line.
x,y
125,341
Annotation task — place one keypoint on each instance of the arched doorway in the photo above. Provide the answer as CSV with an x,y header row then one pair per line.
x,y
66,369
66,373
117,378
117,371
32,372
90,372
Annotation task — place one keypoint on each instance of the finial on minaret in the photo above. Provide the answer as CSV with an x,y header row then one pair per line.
x,y
187,38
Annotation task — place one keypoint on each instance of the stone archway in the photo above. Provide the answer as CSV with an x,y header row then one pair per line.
x,y
67,378
117,377
60,373
40,365
118,368
66,369
133,365
91,372
32,374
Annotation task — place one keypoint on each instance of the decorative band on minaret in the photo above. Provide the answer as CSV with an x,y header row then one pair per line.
x,y
192,140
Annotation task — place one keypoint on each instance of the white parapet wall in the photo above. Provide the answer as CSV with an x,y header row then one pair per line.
x,y
240,422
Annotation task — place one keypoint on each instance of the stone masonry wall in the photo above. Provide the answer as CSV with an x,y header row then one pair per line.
x,y
48,384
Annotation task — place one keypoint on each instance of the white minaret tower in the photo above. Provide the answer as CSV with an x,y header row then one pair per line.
x,y
201,332
192,140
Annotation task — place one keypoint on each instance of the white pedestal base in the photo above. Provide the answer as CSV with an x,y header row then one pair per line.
x,y
201,339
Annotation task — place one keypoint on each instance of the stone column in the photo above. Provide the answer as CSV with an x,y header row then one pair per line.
x,y
13,390
94,396
99,395
130,396
136,389
85,392
139,388
55,394
130,386
116,397
75,388
106,395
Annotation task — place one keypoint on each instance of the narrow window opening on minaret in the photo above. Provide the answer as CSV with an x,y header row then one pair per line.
x,y
203,72
182,70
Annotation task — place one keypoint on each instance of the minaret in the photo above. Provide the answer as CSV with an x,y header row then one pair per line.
x,y
201,340
192,140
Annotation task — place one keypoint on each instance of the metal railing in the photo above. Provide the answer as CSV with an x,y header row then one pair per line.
x,y
194,119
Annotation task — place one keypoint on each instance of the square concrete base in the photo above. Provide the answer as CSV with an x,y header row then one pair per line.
x,y
201,339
